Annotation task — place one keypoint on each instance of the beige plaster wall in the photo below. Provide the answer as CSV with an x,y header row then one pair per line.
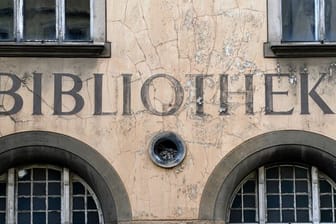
x,y
179,38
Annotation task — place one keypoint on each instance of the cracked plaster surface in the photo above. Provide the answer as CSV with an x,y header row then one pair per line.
x,y
180,38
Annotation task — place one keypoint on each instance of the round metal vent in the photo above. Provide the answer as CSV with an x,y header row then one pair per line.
x,y
167,150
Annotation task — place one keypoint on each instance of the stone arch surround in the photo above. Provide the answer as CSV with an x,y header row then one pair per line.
x,y
274,147
53,148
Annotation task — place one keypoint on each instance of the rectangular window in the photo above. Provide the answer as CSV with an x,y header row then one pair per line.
x,y
77,20
299,20
6,19
301,28
330,20
51,20
39,20
56,28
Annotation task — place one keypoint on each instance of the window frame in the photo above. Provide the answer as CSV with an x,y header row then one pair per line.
x,y
276,48
67,177
315,176
96,47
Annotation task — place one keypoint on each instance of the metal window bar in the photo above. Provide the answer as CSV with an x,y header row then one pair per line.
x,y
18,28
87,193
10,197
315,196
313,192
332,194
281,194
261,195
65,204
239,192
33,183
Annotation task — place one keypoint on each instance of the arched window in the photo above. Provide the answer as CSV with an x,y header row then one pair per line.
x,y
287,193
45,194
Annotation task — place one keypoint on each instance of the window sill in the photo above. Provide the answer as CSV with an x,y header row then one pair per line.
x,y
64,50
299,50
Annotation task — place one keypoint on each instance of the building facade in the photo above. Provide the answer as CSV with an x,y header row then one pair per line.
x,y
167,112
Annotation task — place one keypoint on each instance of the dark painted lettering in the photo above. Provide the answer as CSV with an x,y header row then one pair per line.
x,y
179,95
58,93
18,101
199,79
127,94
313,94
37,93
269,95
224,94
98,96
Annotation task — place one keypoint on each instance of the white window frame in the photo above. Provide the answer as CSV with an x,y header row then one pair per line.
x,y
97,46
275,47
261,194
66,195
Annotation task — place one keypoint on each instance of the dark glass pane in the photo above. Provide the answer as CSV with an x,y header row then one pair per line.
x,y
54,188
272,173
237,202
2,218
249,215
78,188
288,216
78,203
325,187
6,19
273,201
93,218
24,204
39,174
24,218
302,216
54,175
91,203
78,217
2,204
286,172
302,201
24,188
24,175
301,173
3,189
39,189
39,203
39,217
272,186
54,203
54,217
39,20
287,186
249,187
288,201
273,216
301,186
249,201
326,215
236,216
77,20
330,20
298,20
325,201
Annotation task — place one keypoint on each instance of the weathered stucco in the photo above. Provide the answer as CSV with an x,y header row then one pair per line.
x,y
180,38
